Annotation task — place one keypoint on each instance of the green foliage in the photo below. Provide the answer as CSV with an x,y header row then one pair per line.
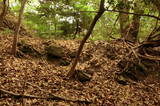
x,y
57,18
147,25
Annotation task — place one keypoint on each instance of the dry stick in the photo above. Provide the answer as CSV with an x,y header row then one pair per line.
x,y
51,97
15,39
16,95
99,14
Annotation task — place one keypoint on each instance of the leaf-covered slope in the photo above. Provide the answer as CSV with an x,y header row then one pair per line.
x,y
40,77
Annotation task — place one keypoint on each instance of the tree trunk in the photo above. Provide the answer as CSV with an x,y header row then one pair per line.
x,y
99,14
129,31
123,18
134,26
156,3
77,28
4,10
155,34
14,46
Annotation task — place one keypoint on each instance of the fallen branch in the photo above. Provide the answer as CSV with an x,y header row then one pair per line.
x,y
16,95
51,97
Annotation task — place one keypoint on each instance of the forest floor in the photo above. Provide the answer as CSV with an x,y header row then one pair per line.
x,y
40,77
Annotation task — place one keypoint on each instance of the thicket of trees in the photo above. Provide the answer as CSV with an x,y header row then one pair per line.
x,y
71,19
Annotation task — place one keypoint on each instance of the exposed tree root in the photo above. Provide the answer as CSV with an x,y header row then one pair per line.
x,y
140,62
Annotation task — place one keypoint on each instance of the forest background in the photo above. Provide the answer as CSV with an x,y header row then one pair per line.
x,y
69,19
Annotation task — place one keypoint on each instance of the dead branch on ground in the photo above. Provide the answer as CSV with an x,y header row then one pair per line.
x,y
51,97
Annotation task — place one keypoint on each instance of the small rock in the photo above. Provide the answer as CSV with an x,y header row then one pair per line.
x,y
64,62
72,54
82,76
54,51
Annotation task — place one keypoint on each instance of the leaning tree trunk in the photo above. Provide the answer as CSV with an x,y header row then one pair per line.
x,y
14,46
99,14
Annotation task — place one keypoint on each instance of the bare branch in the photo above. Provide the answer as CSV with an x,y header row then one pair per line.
x,y
118,11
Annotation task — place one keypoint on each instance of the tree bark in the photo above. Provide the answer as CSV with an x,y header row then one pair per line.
x,y
5,9
123,18
156,3
133,30
129,31
155,34
77,28
14,45
99,14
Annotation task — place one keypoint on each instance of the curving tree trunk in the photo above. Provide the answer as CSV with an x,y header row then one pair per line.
x,y
98,15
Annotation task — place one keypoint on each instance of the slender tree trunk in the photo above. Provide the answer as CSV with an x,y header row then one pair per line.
x,y
123,18
14,46
133,30
156,3
55,28
155,34
77,28
99,14
5,9
129,31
